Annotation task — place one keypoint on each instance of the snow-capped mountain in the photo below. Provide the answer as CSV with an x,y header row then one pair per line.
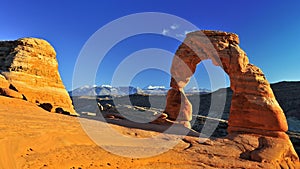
x,y
195,90
103,90
155,90
121,91
86,90
150,87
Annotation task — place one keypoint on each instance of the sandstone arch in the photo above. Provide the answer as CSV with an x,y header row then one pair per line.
x,y
254,108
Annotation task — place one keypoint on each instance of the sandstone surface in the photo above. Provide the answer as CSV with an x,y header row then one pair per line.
x,y
254,108
29,67
32,138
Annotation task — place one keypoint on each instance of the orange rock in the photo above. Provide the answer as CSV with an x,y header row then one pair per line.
x,y
178,106
254,108
253,104
30,65
10,93
3,82
275,150
173,104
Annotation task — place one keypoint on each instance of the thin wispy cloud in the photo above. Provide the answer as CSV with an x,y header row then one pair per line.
x,y
174,26
169,30
165,31
176,30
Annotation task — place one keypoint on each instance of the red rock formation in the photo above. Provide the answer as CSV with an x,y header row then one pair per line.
x,y
29,66
254,108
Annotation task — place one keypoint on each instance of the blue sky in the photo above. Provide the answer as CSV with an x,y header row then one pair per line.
x,y
269,32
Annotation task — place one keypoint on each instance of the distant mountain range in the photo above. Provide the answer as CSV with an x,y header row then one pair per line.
x,y
121,91
104,90
287,95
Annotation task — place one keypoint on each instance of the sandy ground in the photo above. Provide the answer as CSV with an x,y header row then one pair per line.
x,y
33,138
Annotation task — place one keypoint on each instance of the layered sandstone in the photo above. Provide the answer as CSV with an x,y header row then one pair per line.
x,y
29,66
254,108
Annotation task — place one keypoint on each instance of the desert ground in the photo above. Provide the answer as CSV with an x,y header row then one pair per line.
x,y
34,138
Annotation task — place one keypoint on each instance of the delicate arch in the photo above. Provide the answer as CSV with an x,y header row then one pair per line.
x,y
253,109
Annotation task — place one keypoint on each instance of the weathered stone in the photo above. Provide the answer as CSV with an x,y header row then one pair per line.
x,y
10,93
173,104
30,66
178,106
3,82
275,150
254,108
253,104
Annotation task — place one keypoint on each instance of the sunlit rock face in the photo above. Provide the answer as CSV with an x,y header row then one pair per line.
x,y
29,66
254,108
